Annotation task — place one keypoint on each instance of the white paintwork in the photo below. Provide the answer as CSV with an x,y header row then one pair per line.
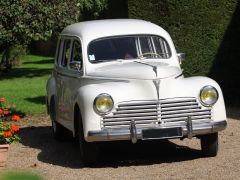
x,y
124,69
91,30
123,80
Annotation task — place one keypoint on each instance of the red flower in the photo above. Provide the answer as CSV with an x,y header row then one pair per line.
x,y
6,112
7,134
2,99
1,111
16,118
15,128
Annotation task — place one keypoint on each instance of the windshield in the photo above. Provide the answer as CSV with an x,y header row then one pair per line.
x,y
128,47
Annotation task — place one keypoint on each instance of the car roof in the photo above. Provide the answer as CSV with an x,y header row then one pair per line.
x,y
89,30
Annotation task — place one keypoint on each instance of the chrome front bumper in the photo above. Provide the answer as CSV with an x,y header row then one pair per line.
x,y
189,130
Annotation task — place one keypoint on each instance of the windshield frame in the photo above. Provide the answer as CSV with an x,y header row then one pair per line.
x,y
129,35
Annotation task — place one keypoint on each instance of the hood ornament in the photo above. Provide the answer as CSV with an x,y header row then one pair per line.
x,y
156,81
155,70
157,86
154,67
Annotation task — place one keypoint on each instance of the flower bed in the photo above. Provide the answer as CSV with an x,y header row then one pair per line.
x,y
9,121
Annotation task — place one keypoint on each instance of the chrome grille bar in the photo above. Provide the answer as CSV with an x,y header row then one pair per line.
x,y
179,108
131,118
137,107
184,118
127,122
179,104
186,114
134,111
154,113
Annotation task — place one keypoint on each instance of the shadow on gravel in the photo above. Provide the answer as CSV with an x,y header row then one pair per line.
x,y
114,154
57,153
117,154
233,112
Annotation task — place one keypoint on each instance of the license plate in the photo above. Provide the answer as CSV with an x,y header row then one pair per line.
x,y
165,133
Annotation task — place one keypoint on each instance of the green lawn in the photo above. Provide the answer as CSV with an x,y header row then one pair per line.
x,y
25,85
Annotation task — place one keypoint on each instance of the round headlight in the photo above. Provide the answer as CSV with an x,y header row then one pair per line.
x,y
208,95
103,103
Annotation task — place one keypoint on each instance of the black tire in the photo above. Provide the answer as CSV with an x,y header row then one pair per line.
x,y
59,132
88,150
209,144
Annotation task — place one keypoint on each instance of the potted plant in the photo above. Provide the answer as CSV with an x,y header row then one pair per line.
x,y
8,129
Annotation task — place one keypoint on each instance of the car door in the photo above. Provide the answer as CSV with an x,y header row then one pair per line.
x,y
62,73
73,80
69,79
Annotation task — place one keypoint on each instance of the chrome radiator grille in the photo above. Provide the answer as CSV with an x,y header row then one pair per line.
x,y
170,112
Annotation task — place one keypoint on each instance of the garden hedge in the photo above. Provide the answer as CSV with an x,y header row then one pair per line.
x,y
207,31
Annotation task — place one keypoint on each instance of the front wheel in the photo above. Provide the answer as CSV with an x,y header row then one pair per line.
x,y
209,144
59,132
88,151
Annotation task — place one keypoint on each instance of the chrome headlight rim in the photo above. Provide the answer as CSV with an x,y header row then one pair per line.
x,y
95,101
202,89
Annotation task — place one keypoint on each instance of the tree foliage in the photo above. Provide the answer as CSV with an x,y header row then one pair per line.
x,y
25,20
93,7
207,31
197,27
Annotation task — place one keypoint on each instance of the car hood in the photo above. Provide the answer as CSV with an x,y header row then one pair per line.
x,y
137,70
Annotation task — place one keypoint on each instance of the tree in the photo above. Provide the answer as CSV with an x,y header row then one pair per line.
x,y
25,20
92,9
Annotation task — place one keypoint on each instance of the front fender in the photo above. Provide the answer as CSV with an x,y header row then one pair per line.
x,y
119,90
51,88
190,87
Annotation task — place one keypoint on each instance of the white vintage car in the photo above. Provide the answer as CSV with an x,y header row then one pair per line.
x,y
122,80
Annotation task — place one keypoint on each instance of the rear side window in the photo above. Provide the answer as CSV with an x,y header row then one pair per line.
x,y
66,52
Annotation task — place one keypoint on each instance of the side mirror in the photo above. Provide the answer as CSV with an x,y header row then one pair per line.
x,y
181,57
76,65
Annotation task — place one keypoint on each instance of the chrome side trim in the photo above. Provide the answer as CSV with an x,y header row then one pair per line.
x,y
125,134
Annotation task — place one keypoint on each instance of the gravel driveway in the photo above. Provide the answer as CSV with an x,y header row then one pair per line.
x,y
175,159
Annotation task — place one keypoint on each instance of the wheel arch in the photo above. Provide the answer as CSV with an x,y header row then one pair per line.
x,y
51,90
52,107
76,119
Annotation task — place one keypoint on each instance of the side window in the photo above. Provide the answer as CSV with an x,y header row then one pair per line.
x,y
76,59
58,52
77,51
66,52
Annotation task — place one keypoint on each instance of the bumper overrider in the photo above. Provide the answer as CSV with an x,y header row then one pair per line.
x,y
161,132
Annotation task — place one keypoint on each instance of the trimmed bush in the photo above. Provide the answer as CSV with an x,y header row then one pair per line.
x,y
207,31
